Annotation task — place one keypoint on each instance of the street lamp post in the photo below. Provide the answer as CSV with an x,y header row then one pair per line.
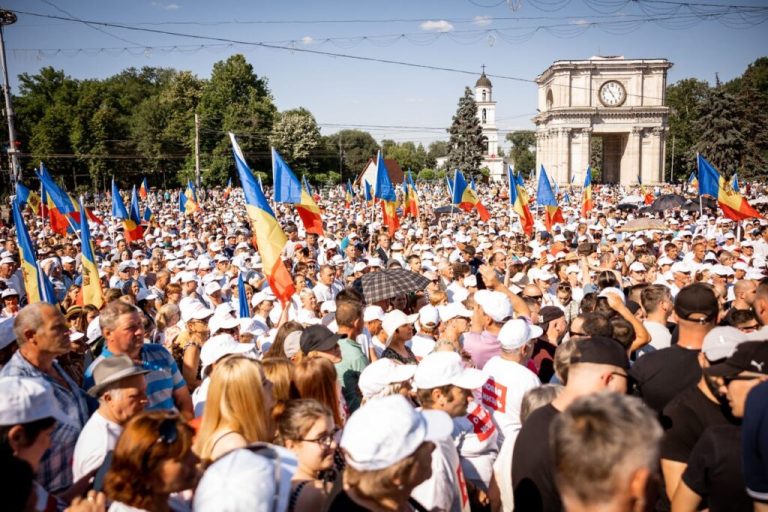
x,y
9,18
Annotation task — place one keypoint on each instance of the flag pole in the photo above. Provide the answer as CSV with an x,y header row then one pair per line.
x,y
453,191
698,174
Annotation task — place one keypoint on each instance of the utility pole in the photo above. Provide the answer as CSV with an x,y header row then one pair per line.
x,y
197,151
341,161
672,171
9,18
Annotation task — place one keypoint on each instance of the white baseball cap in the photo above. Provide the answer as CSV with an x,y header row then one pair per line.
x,y
385,431
262,296
516,333
394,320
681,267
26,399
194,310
212,287
721,342
223,345
470,281
494,304
637,267
187,277
6,332
443,368
222,321
372,313
453,310
381,373
429,315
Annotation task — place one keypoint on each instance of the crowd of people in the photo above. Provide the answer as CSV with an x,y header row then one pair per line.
x,y
593,366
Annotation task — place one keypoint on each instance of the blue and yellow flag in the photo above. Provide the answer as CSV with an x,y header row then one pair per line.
x,y
289,190
36,283
188,200
385,191
270,238
368,193
519,201
546,198
466,198
711,183
90,290
131,229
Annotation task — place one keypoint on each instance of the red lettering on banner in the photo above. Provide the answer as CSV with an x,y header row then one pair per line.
x,y
481,421
494,395
462,486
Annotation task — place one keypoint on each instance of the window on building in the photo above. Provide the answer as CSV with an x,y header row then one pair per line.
x,y
484,93
484,116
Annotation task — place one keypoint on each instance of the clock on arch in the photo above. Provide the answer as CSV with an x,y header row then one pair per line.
x,y
612,94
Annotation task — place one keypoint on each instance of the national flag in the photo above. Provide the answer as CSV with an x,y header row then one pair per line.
x,y
131,230
466,198
586,195
472,183
135,214
711,183
270,238
188,200
22,195
411,197
289,190
557,189
368,193
449,187
147,217
521,188
735,183
545,198
385,191
36,283
76,215
647,196
693,181
242,298
90,289
306,184
518,204
348,195
144,189
58,203
228,190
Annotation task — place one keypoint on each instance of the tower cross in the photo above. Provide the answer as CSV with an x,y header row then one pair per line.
x,y
483,66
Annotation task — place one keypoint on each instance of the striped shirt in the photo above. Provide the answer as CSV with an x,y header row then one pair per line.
x,y
163,378
55,471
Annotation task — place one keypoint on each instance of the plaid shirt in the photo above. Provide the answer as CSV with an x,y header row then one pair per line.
x,y
55,472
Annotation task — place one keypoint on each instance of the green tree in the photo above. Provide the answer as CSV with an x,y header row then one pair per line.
x,y
523,152
297,138
751,93
354,147
235,100
466,144
407,154
720,140
426,175
685,99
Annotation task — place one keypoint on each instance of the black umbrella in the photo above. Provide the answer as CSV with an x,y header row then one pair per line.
x,y
385,284
668,202
627,207
707,203
447,209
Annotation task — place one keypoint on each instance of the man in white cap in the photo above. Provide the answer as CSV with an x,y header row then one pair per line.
x,y
492,309
444,384
423,342
369,338
509,378
122,393
11,276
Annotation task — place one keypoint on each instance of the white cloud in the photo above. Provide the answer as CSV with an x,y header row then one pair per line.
x,y
482,21
581,23
436,26
167,7
307,40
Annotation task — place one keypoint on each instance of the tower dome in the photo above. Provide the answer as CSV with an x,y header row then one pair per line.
x,y
483,81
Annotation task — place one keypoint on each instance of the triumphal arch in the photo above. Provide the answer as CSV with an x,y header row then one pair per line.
x,y
609,103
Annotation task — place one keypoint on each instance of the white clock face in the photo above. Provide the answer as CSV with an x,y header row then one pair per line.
x,y
612,94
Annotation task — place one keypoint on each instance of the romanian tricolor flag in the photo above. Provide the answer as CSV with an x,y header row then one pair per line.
x,y
147,217
58,203
521,188
131,229
36,283
188,200
348,195
466,198
144,189
545,198
733,204
228,190
76,214
517,197
411,198
385,191
647,196
90,290
135,212
270,238
289,190
586,195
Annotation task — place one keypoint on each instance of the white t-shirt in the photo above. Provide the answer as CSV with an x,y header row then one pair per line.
x,y
199,396
504,390
476,438
660,335
446,489
99,435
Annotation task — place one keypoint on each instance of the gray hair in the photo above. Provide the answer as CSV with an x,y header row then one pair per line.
x,y
114,310
29,318
599,442
538,397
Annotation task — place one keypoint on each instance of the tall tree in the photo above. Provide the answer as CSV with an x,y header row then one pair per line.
x,y
685,100
297,138
523,152
467,144
353,147
751,93
720,138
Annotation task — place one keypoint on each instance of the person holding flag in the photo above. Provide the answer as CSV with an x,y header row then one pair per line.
x,y
385,191
466,198
289,190
545,198
519,204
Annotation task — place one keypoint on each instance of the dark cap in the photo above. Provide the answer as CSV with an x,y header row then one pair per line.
x,y
600,350
750,356
318,338
549,313
697,303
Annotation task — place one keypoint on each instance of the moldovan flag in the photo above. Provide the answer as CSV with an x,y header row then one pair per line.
x,y
386,192
733,204
466,198
647,196
58,204
692,181
76,214
270,238
348,195
134,213
143,189
288,189
188,200
26,197
131,230
519,205
36,283
411,198
545,198
228,190
586,195
90,290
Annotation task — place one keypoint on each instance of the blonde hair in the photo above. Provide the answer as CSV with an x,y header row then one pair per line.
x,y
280,372
315,377
438,298
165,315
235,401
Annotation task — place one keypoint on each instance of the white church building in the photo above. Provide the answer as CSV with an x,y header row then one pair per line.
x,y
486,112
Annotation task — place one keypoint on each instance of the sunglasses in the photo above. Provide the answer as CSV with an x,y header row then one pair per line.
x,y
168,434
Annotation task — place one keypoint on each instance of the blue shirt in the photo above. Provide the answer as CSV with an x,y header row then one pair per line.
x,y
55,471
163,378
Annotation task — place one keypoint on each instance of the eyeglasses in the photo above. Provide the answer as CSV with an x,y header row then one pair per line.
x,y
749,328
324,440
537,298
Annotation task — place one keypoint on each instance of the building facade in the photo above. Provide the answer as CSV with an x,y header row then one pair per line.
x,y
486,113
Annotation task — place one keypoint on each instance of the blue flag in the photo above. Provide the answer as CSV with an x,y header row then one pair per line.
x,y
242,298
368,193
512,182
383,189
544,195
735,183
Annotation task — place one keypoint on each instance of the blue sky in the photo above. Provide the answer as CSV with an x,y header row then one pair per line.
x,y
458,34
